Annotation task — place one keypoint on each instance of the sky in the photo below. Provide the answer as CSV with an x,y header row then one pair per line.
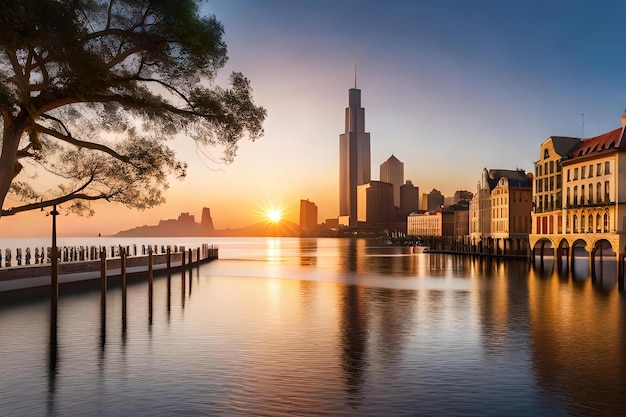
x,y
449,87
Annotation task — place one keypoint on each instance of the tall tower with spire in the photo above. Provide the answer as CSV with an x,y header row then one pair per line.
x,y
354,155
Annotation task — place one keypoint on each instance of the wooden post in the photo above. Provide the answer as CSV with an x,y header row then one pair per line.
x,y
169,281
150,284
183,278
123,265
103,281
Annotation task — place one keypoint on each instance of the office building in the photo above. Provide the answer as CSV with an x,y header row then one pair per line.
x,y
375,203
409,198
354,157
392,171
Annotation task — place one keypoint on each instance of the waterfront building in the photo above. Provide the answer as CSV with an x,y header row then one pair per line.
x,y
354,158
441,222
392,171
435,200
590,213
308,217
409,198
500,211
375,203
547,215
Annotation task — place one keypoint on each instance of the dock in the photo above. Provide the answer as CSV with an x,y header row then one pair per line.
x,y
86,264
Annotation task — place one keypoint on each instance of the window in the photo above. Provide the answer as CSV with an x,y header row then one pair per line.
x,y
575,173
582,194
607,198
551,183
582,224
539,171
558,181
551,167
567,197
598,224
558,166
590,199
568,175
546,154
575,222
545,185
576,195
607,167
590,226
583,172
598,169
599,193
606,222
590,171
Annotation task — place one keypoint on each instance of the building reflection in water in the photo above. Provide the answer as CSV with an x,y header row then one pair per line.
x,y
578,343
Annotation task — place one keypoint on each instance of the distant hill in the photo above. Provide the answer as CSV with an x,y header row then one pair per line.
x,y
190,229
283,228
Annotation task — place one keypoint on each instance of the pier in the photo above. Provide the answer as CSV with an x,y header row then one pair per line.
x,y
33,269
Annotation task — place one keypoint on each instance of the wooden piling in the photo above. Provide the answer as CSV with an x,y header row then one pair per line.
x,y
103,281
150,284
123,265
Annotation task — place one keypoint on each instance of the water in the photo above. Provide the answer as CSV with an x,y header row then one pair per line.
x,y
324,327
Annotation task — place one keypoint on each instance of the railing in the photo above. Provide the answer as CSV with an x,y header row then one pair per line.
x,y
42,255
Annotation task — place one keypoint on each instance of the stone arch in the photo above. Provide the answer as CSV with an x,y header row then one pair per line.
x,y
562,251
543,248
604,264
580,259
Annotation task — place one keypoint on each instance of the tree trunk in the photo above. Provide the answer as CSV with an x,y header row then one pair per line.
x,y
12,132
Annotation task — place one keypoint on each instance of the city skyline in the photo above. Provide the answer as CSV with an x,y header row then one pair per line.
x,y
449,87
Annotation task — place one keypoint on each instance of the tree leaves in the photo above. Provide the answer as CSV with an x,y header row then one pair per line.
x,y
91,90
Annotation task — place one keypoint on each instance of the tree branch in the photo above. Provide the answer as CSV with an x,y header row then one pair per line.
x,y
48,203
108,25
76,142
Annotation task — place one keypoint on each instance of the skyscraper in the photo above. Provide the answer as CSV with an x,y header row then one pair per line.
x,y
392,171
354,156
308,217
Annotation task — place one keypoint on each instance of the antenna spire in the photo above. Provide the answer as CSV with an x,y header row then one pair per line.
x,y
355,75
582,128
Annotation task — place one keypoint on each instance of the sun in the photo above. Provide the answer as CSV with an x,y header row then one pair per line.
x,y
274,215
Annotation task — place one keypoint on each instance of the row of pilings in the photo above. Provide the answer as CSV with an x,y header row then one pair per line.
x,y
463,245
43,255
185,259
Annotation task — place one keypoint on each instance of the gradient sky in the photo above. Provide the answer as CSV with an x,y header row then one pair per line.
x,y
448,87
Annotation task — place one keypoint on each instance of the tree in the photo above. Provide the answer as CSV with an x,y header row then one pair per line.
x,y
91,91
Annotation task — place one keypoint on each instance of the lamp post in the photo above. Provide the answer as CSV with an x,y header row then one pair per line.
x,y
54,270
54,296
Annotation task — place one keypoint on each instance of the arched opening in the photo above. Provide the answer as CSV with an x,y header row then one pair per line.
x,y
543,254
579,261
604,264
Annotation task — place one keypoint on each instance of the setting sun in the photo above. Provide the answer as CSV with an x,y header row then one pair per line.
x,y
274,215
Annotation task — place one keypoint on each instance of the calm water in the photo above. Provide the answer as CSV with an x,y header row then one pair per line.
x,y
289,327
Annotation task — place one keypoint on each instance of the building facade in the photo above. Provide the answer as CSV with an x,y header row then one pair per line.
x,y
392,171
500,211
436,200
354,158
308,217
441,222
409,198
592,212
375,203
547,216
